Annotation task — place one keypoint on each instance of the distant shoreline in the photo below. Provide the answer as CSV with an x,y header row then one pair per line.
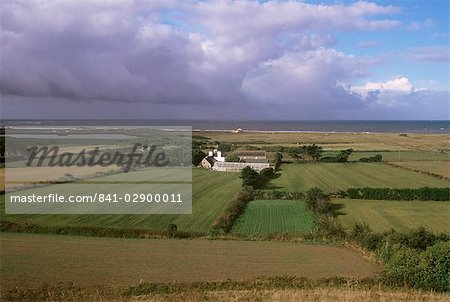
x,y
198,126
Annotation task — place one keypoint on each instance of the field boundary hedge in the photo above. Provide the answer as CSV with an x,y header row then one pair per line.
x,y
418,171
276,194
87,231
418,259
226,220
425,193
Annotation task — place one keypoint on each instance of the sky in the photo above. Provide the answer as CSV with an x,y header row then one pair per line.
x,y
253,60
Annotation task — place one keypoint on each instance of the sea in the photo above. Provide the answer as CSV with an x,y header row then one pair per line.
x,y
371,126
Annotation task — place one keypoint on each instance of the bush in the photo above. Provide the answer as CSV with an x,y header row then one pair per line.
x,y
418,259
225,147
425,193
363,235
428,270
328,226
376,158
172,229
433,271
277,160
250,177
318,202
274,194
419,239
267,173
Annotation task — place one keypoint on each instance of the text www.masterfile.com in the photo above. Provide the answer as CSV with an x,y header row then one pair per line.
x,y
98,197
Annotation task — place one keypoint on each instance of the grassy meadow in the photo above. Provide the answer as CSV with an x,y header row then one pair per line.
x,y
331,177
383,215
212,191
265,217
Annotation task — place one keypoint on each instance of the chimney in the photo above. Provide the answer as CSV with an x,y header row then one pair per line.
x,y
219,153
210,153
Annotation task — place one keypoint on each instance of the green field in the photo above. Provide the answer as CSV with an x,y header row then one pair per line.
x,y
382,215
264,217
212,191
332,177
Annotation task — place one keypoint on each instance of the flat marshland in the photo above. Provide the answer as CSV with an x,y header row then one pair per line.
x,y
338,140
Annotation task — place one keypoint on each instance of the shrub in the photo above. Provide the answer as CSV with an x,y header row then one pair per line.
x,y
428,270
275,194
433,271
323,205
250,177
362,234
318,202
267,173
375,158
328,226
172,229
425,193
418,259
277,160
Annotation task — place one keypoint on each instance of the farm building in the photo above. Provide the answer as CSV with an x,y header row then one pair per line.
x,y
208,162
217,155
237,167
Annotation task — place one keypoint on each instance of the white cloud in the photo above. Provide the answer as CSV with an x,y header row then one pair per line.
x,y
386,93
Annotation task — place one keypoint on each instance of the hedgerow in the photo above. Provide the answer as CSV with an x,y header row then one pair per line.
x,y
418,259
92,231
226,220
425,193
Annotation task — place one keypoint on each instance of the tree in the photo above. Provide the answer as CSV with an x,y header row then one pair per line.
x,y
342,157
225,147
277,160
266,173
172,229
377,158
197,157
250,177
317,201
311,198
297,157
313,151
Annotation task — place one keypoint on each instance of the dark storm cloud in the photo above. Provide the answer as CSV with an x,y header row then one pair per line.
x,y
109,52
